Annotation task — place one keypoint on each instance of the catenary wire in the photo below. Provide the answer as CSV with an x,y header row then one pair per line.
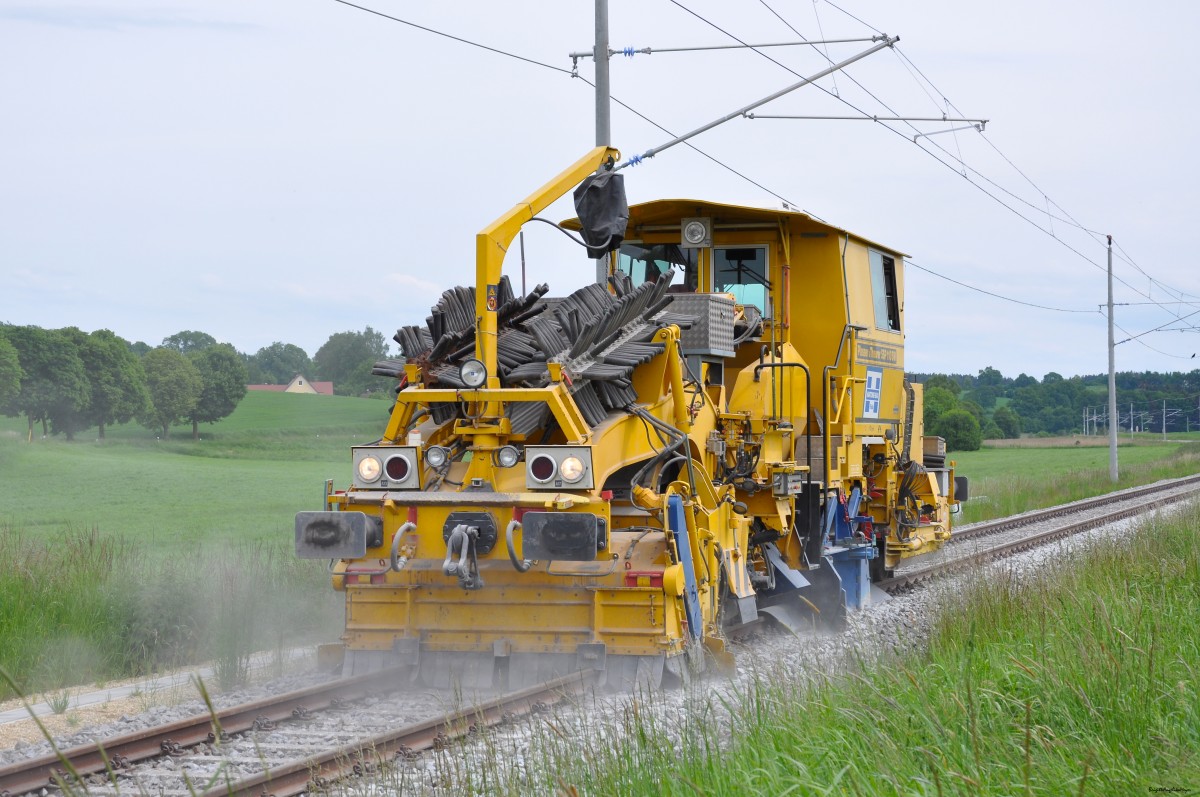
x,y
927,151
454,38
1124,256
994,295
709,156
959,159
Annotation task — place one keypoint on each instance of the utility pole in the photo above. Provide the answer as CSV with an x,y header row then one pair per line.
x,y
603,123
1164,420
1112,379
603,105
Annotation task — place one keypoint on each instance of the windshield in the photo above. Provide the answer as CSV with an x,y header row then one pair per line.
x,y
644,263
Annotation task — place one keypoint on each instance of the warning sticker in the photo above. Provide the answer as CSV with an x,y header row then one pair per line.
x,y
493,291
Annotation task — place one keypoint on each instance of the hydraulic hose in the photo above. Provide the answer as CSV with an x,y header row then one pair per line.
x,y
521,565
398,561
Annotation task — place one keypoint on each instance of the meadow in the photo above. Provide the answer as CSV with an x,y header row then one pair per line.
x,y
133,554
1007,481
242,482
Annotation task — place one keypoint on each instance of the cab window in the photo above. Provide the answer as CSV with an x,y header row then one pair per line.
x,y
883,291
645,263
742,271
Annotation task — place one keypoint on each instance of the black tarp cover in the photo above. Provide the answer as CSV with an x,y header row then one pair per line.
x,y
603,212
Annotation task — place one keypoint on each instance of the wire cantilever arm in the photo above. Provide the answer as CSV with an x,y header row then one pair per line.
x,y
888,41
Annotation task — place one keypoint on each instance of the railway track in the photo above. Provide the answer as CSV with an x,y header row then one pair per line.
x,y
281,745
994,539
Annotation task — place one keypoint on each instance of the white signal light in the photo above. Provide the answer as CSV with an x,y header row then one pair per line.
x,y
473,373
571,469
436,456
369,469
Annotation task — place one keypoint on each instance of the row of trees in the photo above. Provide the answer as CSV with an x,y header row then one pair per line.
x,y
345,359
69,380
1054,404
962,421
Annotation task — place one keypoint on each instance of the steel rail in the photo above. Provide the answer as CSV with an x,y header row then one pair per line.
x,y
374,752
110,755
915,575
1016,521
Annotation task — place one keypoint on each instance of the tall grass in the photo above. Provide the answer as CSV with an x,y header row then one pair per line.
x,y
80,606
1079,681
1021,480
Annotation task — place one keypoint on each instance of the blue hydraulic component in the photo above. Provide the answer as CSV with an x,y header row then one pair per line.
x,y
848,556
851,564
691,595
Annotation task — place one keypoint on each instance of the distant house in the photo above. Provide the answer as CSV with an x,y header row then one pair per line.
x,y
299,384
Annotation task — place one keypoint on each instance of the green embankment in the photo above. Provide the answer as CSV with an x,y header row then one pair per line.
x,y
1083,681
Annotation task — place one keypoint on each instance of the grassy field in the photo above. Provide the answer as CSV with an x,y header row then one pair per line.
x,y
134,553
243,481
1006,481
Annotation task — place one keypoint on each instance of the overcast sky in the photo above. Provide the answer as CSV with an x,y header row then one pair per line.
x,y
279,170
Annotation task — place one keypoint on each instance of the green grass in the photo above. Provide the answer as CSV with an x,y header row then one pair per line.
x,y
243,481
1084,681
80,606
133,553
1006,481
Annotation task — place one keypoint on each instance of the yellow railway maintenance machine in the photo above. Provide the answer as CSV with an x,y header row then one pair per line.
x,y
719,433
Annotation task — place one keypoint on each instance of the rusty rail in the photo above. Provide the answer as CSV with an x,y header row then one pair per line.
x,y
299,776
915,575
111,755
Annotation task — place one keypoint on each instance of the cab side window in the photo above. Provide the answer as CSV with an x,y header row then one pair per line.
x,y
883,290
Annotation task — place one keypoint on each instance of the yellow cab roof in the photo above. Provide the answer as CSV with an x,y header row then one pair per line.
x,y
669,211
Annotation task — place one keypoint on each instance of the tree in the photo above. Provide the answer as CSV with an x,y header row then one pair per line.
x,y
10,372
943,381
189,341
990,377
278,363
54,384
175,386
973,408
938,401
224,384
1008,421
346,360
116,381
961,431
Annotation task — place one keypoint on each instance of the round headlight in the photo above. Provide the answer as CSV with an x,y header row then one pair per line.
x,y
542,468
507,456
473,373
369,469
695,232
571,469
398,468
436,456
